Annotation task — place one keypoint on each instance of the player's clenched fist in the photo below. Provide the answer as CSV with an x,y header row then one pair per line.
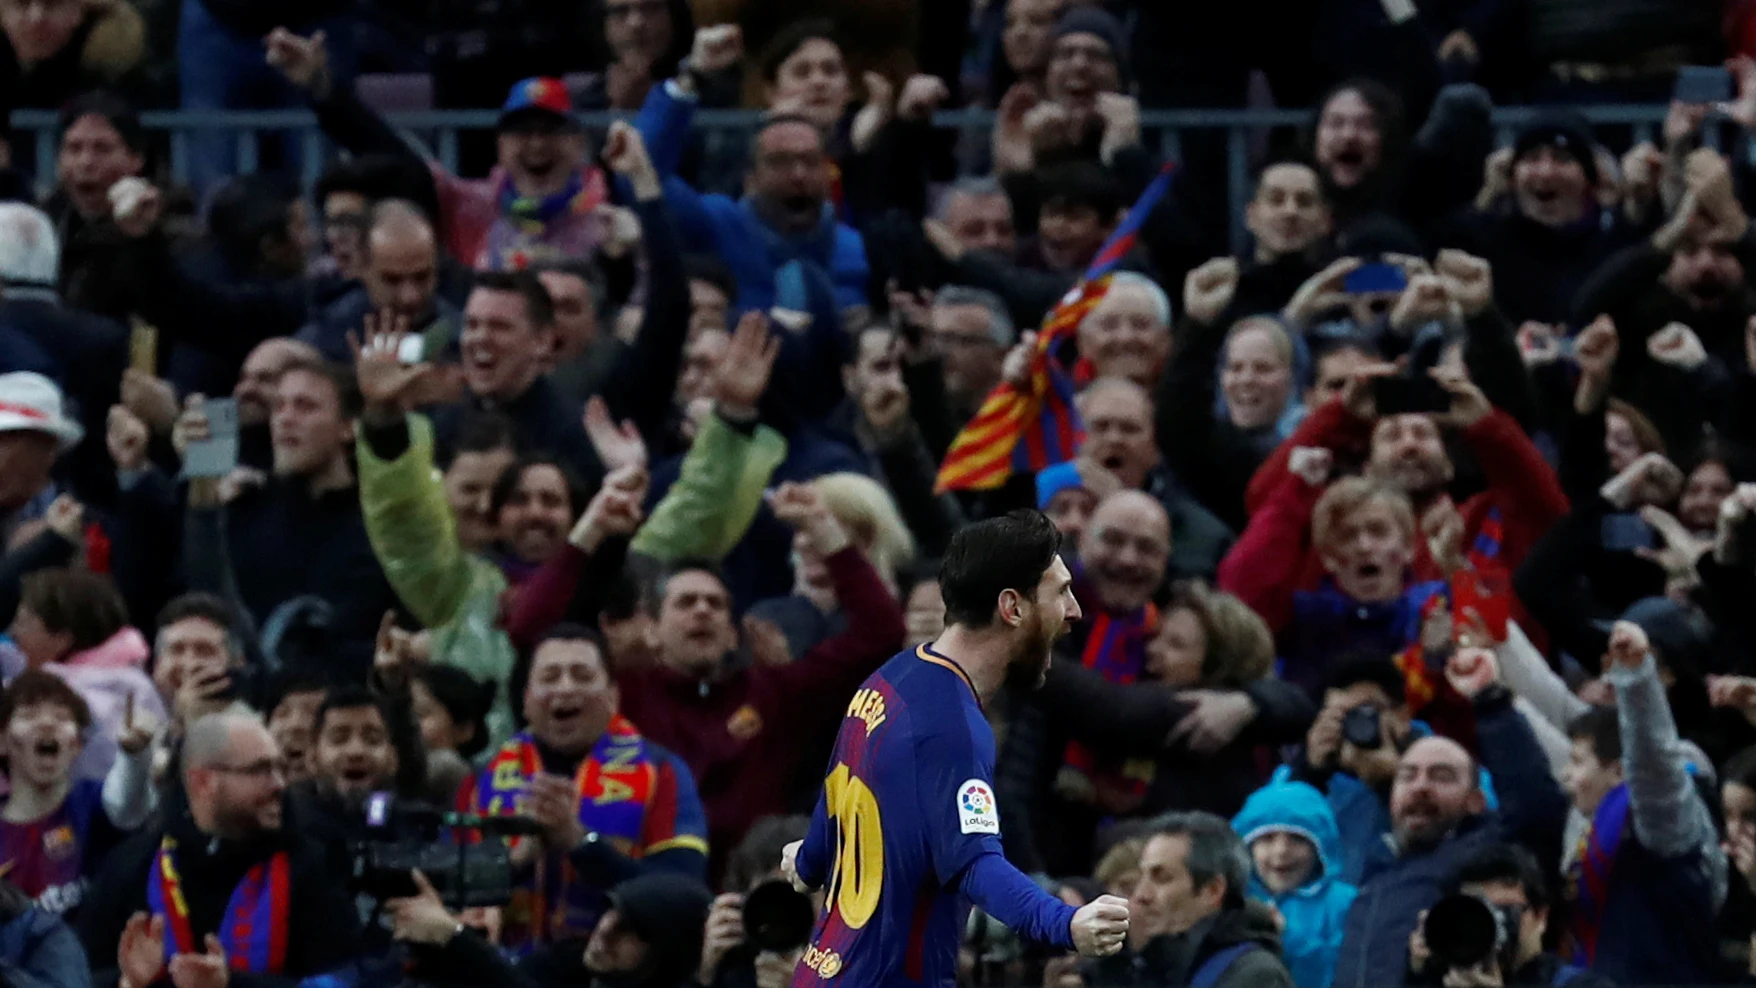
x,y
1100,927
789,866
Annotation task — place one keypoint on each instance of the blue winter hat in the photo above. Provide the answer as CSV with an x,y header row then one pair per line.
x,y
1053,480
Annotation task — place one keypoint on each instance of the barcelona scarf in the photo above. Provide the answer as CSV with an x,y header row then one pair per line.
x,y
615,783
1463,592
1595,867
1028,427
1115,649
524,220
254,928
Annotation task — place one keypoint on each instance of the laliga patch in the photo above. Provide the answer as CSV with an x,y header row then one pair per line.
x,y
977,812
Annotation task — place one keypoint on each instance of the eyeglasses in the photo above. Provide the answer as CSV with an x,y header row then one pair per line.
x,y
268,768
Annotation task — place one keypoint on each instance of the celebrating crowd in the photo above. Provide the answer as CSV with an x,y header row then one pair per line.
x,y
460,579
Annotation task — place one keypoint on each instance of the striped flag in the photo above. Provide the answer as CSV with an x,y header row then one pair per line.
x,y
1029,427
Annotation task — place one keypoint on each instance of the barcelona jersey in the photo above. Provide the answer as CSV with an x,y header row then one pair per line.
x,y
908,806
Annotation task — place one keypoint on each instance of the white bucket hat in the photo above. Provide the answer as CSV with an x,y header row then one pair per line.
x,y
32,403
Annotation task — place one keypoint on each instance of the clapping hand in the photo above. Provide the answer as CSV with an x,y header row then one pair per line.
x,y
617,445
140,954
553,801
204,970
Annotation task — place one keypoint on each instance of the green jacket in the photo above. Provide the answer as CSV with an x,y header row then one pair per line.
x,y
453,593
717,494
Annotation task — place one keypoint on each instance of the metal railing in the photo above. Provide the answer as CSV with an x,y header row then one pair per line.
x,y
1163,129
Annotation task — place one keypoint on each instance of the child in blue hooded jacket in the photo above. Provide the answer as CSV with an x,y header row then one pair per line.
x,y
1295,854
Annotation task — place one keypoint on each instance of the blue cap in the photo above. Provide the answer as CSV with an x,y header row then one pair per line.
x,y
1053,480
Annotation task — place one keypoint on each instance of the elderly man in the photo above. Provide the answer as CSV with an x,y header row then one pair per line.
x,y
978,213
1440,821
226,886
400,278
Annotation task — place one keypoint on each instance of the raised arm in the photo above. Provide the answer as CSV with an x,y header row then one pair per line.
x,y
1669,817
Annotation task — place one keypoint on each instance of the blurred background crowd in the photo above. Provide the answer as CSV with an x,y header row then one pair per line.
x,y
575,460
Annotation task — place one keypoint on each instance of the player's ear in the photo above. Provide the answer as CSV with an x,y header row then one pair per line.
x,y
1011,608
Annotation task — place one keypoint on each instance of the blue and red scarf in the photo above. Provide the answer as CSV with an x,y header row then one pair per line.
x,y
615,782
1115,649
254,928
1596,866
536,228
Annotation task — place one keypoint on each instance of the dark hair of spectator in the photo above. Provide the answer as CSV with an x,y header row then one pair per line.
x,y
709,268
1510,864
574,267
1357,666
682,37
116,111
569,631
787,42
1322,348
757,856
376,177
538,306
84,605
1215,851
678,568
1011,552
482,432
1382,187
209,608
566,631
1080,185
507,485
405,737
1601,728
34,686
289,681
340,377
1741,769
248,211
1714,449
466,699
772,120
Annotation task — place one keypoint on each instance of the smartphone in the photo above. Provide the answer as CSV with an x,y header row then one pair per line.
x,y
1370,279
1703,84
1626,532
1409,395
217,455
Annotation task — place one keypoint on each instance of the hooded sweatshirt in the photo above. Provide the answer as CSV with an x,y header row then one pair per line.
x,y
104,675
1315,910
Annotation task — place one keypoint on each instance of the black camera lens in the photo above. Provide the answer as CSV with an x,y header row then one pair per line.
x,y
1360,727
1462,931
778,917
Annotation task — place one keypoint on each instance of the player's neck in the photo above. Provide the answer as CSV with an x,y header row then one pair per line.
x,y
29,803
981,655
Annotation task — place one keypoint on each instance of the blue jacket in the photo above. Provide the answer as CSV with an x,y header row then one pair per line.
x,y
1397,886
1314,911
38,950
730,228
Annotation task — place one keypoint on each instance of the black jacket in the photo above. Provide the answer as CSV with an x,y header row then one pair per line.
x,y
89,353
323,931
1169,961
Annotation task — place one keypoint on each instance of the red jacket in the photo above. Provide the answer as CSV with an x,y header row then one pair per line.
x,y
1520,484
744,736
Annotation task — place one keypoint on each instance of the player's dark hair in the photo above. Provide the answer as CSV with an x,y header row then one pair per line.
x,y
1215,851
990,557
1601,728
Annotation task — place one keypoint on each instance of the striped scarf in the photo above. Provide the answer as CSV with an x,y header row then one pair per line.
x,y
1594,869
1115,649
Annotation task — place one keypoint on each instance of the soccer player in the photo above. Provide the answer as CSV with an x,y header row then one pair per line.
x,y
907,833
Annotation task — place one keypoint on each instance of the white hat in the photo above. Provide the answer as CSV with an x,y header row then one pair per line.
x,y
32,403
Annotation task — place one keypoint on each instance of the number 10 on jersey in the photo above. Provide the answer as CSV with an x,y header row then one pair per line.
x,y
857,878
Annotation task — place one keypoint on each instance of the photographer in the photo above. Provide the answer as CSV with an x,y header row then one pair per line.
x,y
1451,952
649,938
612,804
742,950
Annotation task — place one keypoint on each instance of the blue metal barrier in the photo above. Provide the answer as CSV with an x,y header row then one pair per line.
x,y
1163,129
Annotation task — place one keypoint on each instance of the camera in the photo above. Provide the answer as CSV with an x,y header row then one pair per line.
x,y
778,917
403,837
1464,931
1360,727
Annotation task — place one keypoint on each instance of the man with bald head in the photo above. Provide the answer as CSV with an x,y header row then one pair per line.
x,y
224,883
1120,441
399,281
1441,819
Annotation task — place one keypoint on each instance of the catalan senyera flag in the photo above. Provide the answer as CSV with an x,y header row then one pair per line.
x,y
1025,428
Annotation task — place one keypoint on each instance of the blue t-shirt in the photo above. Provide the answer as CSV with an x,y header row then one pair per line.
x,y
908,807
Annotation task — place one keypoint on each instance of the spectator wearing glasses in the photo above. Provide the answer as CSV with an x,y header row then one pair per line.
x,y
169,903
